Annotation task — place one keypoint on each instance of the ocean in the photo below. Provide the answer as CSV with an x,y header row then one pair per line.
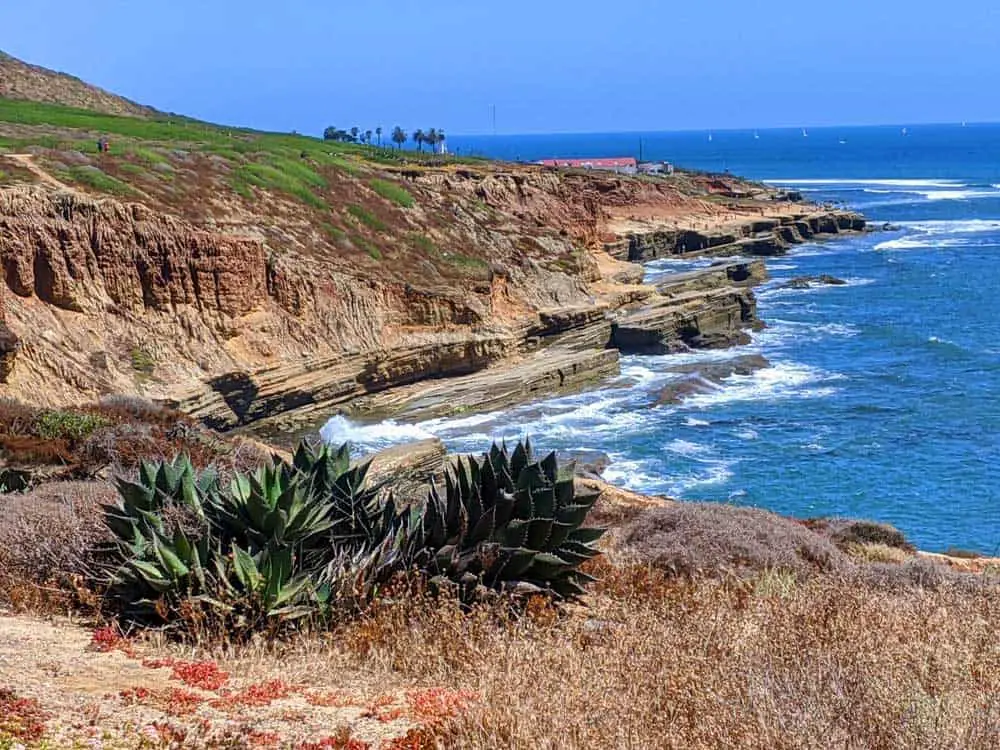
x,y
881,398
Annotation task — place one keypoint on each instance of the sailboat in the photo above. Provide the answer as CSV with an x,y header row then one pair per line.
x,y
804,133
709,137
756,136
905,132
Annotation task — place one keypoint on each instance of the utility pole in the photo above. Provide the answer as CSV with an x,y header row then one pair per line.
x,y
494,111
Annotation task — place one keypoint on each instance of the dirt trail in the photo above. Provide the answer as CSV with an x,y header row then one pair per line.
x,y
27,161
121,694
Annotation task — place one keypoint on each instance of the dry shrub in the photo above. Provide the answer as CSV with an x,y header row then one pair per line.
x,y
845,532
923,574
877,553
50,537
691,539
659,662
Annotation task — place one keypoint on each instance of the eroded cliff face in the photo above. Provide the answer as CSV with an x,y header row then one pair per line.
x,y
238,326
113,297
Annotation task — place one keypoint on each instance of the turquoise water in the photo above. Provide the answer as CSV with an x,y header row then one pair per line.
x,y
880,401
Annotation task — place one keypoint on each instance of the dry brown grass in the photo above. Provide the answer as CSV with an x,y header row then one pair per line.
x,y
658,664
653,661
874,552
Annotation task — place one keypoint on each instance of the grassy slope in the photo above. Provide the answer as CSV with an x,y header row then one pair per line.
x,y
347,198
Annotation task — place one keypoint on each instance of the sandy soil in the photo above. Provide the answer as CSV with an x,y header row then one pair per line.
x,y
121,695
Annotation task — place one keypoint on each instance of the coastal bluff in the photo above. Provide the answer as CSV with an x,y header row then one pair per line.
x,y
398,287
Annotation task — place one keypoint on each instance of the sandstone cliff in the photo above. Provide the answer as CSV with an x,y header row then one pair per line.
x,y
244,276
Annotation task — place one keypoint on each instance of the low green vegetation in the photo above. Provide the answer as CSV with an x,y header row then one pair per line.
x,y
334,233
142,361
315,539
134,170
468,262
345,166
366,217
93,177
269,177
148,156
423,243
392,192
363,244
67,425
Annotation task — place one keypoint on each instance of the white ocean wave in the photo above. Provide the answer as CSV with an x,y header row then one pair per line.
x,y
782,380
692,422
632,475
791,291
798,329
687,448
940,234
941,193
340,430
950,226
718,473
958,195
917,183
920,242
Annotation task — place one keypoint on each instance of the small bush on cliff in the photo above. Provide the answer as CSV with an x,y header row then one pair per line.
x,y
142,361
51,534
392,192
67,425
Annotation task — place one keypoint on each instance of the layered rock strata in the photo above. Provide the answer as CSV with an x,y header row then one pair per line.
x,y
763,237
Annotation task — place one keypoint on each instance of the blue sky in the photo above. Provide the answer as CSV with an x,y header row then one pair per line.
x,y
548,66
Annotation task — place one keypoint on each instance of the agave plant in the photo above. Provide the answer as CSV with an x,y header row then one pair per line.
x,y
313,536
358,518
508,523
258,549
163,537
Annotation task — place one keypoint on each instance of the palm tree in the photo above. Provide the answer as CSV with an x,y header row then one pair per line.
x,y
420,139
441,138
354,133
399,136
378,134
368,137
432,139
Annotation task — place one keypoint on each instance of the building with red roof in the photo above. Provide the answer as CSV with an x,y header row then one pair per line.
x,y
625,164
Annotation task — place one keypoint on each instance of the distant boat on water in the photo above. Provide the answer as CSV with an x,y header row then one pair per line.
x,y
905,132
843,141
709,137
804,133
756,136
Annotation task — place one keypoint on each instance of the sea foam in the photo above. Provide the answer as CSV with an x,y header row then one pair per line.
x,y
367,437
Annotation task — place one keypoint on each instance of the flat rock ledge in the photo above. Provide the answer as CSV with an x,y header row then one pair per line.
x,y
763,237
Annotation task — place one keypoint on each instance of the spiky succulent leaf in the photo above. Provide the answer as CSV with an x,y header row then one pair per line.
x,y
504,522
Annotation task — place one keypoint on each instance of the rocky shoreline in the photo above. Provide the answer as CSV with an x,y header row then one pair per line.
x,y
565,350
